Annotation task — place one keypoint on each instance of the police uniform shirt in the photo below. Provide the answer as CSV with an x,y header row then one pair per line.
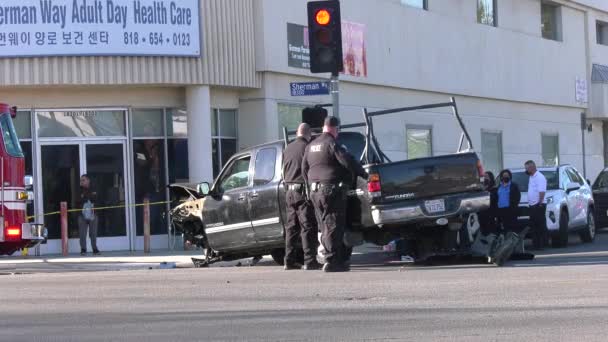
x,y
326,162
536,185
292,161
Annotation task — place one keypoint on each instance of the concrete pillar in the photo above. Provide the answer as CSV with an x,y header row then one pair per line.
x,y
198,101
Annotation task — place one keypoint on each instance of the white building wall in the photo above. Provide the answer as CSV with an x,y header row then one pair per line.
x,y
520,16
520,123
444,52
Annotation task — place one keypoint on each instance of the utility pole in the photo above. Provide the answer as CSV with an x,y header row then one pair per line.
x,y
335,94
583,129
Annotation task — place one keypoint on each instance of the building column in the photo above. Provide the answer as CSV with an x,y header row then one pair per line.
x,y
198,101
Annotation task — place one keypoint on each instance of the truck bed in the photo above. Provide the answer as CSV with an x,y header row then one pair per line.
x,y
421,191
427,177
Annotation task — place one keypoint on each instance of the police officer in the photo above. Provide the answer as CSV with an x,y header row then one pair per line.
x,y
301,222
328,169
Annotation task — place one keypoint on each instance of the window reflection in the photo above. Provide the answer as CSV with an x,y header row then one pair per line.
x,y
81,124
149,168
178,160
26,146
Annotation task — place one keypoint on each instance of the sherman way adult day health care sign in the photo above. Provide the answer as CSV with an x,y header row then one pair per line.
x,y
99,27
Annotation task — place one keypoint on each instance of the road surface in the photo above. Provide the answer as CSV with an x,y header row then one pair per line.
x,y
561,296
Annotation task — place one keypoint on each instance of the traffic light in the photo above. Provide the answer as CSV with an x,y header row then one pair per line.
x,y
325,37
314,116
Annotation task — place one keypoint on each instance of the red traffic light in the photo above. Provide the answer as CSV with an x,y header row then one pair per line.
x,y
323,17
325,36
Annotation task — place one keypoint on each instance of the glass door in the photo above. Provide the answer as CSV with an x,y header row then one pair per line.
x,y
61,172
105,166
62,165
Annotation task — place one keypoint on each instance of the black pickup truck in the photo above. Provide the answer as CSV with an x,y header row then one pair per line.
x,y
426,200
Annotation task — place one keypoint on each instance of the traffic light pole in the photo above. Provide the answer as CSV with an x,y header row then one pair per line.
x,y
335,95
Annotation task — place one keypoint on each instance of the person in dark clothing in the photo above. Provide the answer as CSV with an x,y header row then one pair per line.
x,y
506,200
327,169
487,218
87,220
301,221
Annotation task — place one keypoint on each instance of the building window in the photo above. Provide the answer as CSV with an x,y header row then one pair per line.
x,y
23,126
551,21
160,157
177,145
290,116
491,151
416,3
71,124
149,166
550,150
223,137
486,12
602,32
419,142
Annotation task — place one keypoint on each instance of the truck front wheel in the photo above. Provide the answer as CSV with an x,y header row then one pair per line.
x,y
278,255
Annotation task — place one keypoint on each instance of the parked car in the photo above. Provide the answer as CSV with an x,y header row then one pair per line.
x,y
600,196
426,200
570,204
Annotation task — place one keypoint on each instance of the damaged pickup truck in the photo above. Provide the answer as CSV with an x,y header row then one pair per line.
x,y
428,201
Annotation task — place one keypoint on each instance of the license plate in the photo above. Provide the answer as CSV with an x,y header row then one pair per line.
x,y
435,206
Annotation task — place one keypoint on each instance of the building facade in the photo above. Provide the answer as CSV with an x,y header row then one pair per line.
x,y
522,73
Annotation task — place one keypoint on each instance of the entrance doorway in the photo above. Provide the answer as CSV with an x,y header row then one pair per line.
x,y
62,164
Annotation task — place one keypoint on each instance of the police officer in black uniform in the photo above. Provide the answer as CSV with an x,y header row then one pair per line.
x,y
301,222
328,170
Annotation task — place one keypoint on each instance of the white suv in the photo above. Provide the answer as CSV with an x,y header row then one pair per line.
x,y
570,203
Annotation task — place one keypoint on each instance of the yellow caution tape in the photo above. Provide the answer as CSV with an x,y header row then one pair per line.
x,y
98,209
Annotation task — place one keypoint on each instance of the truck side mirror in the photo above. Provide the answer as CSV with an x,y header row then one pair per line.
x,y
572,187
14,112
203,189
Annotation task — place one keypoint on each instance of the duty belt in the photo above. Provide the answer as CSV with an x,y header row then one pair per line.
x,y
314,187
295,187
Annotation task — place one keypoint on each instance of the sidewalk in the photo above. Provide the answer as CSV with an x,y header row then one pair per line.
x,y
107,261
125,260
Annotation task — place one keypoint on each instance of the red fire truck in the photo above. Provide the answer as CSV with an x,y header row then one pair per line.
x,y
15,191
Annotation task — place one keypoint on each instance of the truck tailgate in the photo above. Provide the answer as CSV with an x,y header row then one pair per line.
x,y
428,177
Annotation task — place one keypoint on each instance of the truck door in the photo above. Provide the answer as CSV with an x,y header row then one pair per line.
x,y
263,199
226,210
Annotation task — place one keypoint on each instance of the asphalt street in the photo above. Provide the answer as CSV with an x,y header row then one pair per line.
x,y
560,296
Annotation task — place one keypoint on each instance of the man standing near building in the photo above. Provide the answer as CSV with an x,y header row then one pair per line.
x,y
87,220
537,188
327,169
301,222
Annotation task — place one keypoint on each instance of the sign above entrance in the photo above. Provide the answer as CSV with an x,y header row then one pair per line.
x,y
309,88
31,28
83,123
